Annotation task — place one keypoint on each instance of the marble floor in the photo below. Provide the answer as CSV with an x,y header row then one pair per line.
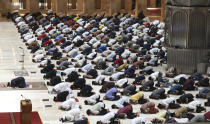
x,y
10,55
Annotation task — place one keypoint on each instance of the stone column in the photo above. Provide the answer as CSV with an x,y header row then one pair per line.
x,y
32,6
80,5
128,6
115,6
59,6
49,4
162,10
141,5
89,6
104,7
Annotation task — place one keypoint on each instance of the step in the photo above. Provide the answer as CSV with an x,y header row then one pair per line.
x,y
153,11
152,18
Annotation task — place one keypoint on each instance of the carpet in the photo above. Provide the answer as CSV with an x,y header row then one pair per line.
x,y
14,118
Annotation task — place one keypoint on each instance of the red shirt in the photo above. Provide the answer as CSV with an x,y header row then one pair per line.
x,y
50,28
147,24
158,37
75,26
60,40
47,42
69,22
207,115
119,61
42,36
125,110
138,63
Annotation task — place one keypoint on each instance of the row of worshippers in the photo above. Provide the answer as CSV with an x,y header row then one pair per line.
x,y
88,37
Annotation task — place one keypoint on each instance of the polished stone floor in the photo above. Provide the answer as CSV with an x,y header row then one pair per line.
x,y
10,55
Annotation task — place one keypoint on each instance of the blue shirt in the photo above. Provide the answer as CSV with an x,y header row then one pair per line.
x,y
102,48
120,49
59,37
110,92
175,87
139,78
52,50
130,71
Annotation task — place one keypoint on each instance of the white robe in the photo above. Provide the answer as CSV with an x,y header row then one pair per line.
x,y
70,104
92,99
107,117
97,108
120,102
61,87
138,120
73,115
